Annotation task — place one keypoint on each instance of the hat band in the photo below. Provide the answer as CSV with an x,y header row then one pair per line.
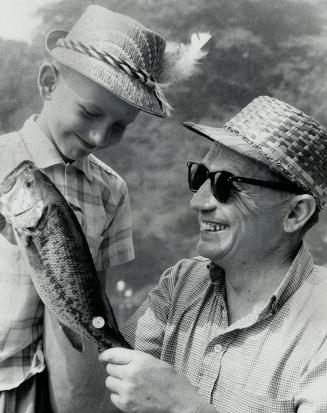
x,y
128,67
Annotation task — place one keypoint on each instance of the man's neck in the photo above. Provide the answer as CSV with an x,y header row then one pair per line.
x,y
250,284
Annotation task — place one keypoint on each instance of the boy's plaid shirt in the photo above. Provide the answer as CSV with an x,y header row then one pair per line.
x,y
274,360
99,198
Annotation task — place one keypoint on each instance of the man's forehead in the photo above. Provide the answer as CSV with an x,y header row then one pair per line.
x,y
218,152
214,150
220,157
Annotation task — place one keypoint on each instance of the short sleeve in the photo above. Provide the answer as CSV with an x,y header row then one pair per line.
x,y
145,330
117,243
312,391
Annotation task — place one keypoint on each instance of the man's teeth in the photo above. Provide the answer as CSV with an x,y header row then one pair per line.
x,y
209,226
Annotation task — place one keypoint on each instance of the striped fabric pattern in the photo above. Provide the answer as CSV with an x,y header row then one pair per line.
x,y
99,198
274,360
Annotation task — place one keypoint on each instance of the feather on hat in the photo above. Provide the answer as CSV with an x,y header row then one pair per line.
x,y
125,57
180,61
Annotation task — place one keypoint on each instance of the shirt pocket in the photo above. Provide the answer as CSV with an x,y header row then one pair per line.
x,y
243,399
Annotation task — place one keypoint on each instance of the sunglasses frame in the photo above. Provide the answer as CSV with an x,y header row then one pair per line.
x,y
230,178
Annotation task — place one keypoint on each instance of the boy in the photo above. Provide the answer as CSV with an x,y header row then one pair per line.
x,y
103,72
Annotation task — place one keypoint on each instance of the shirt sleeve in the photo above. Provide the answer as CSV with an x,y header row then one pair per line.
x,y
312,392
116,246
145,330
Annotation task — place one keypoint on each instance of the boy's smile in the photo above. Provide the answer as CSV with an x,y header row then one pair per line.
x,y
80,116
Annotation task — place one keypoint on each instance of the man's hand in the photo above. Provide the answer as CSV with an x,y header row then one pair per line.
x,y
140,383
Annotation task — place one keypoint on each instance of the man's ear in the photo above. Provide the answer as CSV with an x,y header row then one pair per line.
x,y
47,80
301,209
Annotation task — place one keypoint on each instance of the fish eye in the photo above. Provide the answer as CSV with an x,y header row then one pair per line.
x,y
29,183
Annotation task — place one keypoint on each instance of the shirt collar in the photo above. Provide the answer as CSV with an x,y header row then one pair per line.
x,y
300,269
42,151
217,277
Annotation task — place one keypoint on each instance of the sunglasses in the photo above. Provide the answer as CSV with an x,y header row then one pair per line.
x,y
222,181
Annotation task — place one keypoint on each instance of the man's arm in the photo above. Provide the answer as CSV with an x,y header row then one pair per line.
x,y
140,383
145,330
312,389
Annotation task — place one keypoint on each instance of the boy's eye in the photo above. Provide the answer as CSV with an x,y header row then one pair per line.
x,y
89,114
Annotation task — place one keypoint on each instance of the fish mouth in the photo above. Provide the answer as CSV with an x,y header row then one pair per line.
x,y
23,211
30,218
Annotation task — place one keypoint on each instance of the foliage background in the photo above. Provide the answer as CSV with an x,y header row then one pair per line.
x,y
274,47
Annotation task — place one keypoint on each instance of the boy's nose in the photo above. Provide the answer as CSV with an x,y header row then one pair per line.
x,y
99,134
203,199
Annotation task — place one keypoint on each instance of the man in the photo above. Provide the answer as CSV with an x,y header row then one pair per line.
x,y
243,327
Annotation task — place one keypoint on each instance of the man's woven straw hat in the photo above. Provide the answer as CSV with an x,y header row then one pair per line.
x,y
121,55
280,136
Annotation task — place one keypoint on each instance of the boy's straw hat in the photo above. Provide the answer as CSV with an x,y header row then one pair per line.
x,y
280,136
123,56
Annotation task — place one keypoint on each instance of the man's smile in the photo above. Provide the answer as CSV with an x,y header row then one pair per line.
x,y
209,226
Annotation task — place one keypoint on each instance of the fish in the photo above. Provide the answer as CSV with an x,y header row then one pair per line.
x,y
54,247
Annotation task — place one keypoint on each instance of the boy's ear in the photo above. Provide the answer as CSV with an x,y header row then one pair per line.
x,y
302,207
47,80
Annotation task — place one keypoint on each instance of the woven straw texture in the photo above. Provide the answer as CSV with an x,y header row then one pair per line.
x,y
122,37
287,140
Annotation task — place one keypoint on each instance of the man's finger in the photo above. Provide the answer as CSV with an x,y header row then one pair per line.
x,y
113,384
117,355
116,370
115,398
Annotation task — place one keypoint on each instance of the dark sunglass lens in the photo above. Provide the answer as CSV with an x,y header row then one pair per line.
x,y
197,176
222,186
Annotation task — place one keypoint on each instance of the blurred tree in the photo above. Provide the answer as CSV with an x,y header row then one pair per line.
x,y
258,47
18,83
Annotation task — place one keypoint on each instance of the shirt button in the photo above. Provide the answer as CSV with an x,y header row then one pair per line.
x,y
218,348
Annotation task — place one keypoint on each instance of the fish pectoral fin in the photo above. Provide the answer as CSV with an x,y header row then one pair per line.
x,y
24,236
29,250
74,338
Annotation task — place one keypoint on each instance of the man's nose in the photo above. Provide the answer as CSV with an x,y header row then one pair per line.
x,y
203,199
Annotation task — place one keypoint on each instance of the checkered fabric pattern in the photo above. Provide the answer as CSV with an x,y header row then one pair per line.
x,y
274,360
100,201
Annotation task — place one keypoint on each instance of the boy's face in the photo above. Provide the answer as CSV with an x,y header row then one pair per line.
x,y
80,116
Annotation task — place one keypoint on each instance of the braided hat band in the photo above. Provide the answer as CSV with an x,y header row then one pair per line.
x,y
123,56
280,136
116,52
128,67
